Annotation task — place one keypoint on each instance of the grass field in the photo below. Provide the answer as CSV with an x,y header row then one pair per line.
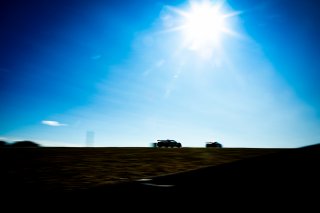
x,y
69,169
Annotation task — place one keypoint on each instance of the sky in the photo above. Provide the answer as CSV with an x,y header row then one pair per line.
x,y
126,73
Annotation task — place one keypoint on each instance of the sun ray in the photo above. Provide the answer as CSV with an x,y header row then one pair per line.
x,y
203,24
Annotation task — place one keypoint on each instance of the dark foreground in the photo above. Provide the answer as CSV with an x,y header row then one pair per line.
x,y
287,178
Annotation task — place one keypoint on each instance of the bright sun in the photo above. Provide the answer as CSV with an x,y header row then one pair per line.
x,y
203,24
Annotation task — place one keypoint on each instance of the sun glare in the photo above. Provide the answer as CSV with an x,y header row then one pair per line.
x,y
203,25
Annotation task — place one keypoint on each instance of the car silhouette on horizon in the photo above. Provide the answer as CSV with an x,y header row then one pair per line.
x,y
213,144
168,143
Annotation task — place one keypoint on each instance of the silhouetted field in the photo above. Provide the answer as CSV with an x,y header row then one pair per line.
x,y
67,169
109,178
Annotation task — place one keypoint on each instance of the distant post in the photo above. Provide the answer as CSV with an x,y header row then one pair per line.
x,y
89,138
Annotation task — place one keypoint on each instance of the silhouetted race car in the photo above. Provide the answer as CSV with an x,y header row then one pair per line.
x,y
168,143
213,144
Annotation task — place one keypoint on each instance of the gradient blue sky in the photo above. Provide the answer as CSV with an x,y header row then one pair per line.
x,y
114,68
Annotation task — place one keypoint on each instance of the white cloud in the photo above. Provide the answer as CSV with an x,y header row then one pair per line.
x,y
52,123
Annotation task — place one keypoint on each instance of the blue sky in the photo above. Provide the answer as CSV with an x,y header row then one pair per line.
x,y
128,72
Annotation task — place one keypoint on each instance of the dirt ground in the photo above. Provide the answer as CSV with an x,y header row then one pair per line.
x,y
68,169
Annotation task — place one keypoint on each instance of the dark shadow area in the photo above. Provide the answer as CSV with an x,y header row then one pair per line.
x,y
3,144
288,177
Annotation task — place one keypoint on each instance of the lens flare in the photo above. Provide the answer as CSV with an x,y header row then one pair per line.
x,y
202,25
